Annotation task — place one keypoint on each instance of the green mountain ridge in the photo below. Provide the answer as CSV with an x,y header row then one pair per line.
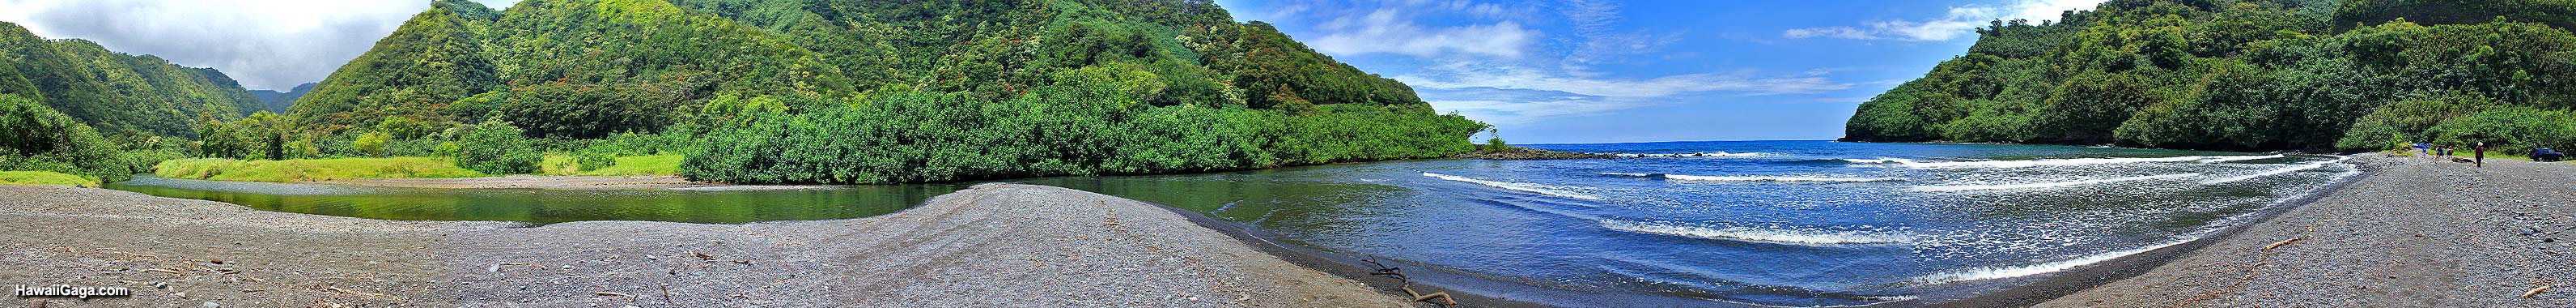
x,y
1027,88
2253,75
115,92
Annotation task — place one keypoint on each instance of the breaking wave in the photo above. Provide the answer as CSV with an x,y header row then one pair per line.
x,y
2265,173
1711,178
2222,159
2053,162
1701,154
1799,237
1995,272
2050,184
1523,187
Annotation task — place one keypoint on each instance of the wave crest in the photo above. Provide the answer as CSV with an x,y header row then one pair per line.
x,y
1995,272
1944,188
1700,154
2053,162
1714,178
1522,187
1781,236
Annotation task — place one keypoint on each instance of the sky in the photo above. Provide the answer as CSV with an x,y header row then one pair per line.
x,y
1541,71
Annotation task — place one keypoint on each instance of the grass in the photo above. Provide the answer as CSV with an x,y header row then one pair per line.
x,y
44,178
302,170
626,166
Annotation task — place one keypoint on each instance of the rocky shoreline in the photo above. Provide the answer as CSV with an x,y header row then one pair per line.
x,y
1527,154
994,244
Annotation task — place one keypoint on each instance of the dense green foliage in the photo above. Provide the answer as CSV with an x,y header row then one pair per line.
x,y
1104,129
497,147
36,138
118,94
2250,75
870,91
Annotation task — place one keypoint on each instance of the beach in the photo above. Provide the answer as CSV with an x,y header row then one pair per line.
x,y
2414,232
992,245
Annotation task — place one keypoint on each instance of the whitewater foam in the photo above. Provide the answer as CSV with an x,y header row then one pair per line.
x,y
1773,179
2265,173
1523,187
1713,178
1996,272
2222,159
1879,161
2054,162
1945,188
1782,236
1700,154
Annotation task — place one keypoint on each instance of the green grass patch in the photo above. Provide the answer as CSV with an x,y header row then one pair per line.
x,y
626,166
302,170
44,178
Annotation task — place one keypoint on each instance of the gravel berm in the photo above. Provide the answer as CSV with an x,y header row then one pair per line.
x,y
993,245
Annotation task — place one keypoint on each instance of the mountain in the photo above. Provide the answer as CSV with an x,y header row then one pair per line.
x,y
2252,75
116,92
277,102
1058,80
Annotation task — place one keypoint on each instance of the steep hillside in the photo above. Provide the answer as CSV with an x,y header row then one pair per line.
x,y
2252,75
1068,86
116,93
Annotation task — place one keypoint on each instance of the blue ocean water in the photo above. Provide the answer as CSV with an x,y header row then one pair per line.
x,y
1751,223
1767,223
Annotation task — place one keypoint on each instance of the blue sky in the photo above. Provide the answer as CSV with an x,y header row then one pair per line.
x,y
1589,71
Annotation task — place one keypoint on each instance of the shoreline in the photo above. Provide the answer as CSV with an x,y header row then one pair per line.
x,y
994,243
2063,283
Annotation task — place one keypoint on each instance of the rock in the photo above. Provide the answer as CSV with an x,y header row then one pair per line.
x,y
211,304
1530,154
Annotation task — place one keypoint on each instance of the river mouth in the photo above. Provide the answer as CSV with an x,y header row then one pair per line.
x,y
1799,223
546,206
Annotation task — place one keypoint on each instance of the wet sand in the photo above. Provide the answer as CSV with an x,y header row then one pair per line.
x,y
992,245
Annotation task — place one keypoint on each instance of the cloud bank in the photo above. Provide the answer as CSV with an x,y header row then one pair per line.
x,y
1953,24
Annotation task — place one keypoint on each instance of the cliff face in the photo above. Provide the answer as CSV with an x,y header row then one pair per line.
x,y
2251,75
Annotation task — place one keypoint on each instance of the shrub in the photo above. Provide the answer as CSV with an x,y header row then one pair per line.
x,y
2508,130
496,147
371,144
594,160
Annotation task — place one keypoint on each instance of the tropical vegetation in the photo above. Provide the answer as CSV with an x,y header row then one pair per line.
x,y
756,91
2253,75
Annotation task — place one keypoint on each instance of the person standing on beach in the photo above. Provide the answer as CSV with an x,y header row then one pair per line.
x,y
2482,154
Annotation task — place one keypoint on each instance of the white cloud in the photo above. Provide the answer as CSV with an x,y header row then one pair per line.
x,y
1832,32
264,44
1953,24
1462,75
1385,31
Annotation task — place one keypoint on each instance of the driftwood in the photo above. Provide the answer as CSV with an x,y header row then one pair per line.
x,y
1419,297
607,293
2283,242
2535,292
1380,269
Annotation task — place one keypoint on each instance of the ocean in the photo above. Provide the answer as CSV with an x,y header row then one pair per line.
x,y
1752,223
